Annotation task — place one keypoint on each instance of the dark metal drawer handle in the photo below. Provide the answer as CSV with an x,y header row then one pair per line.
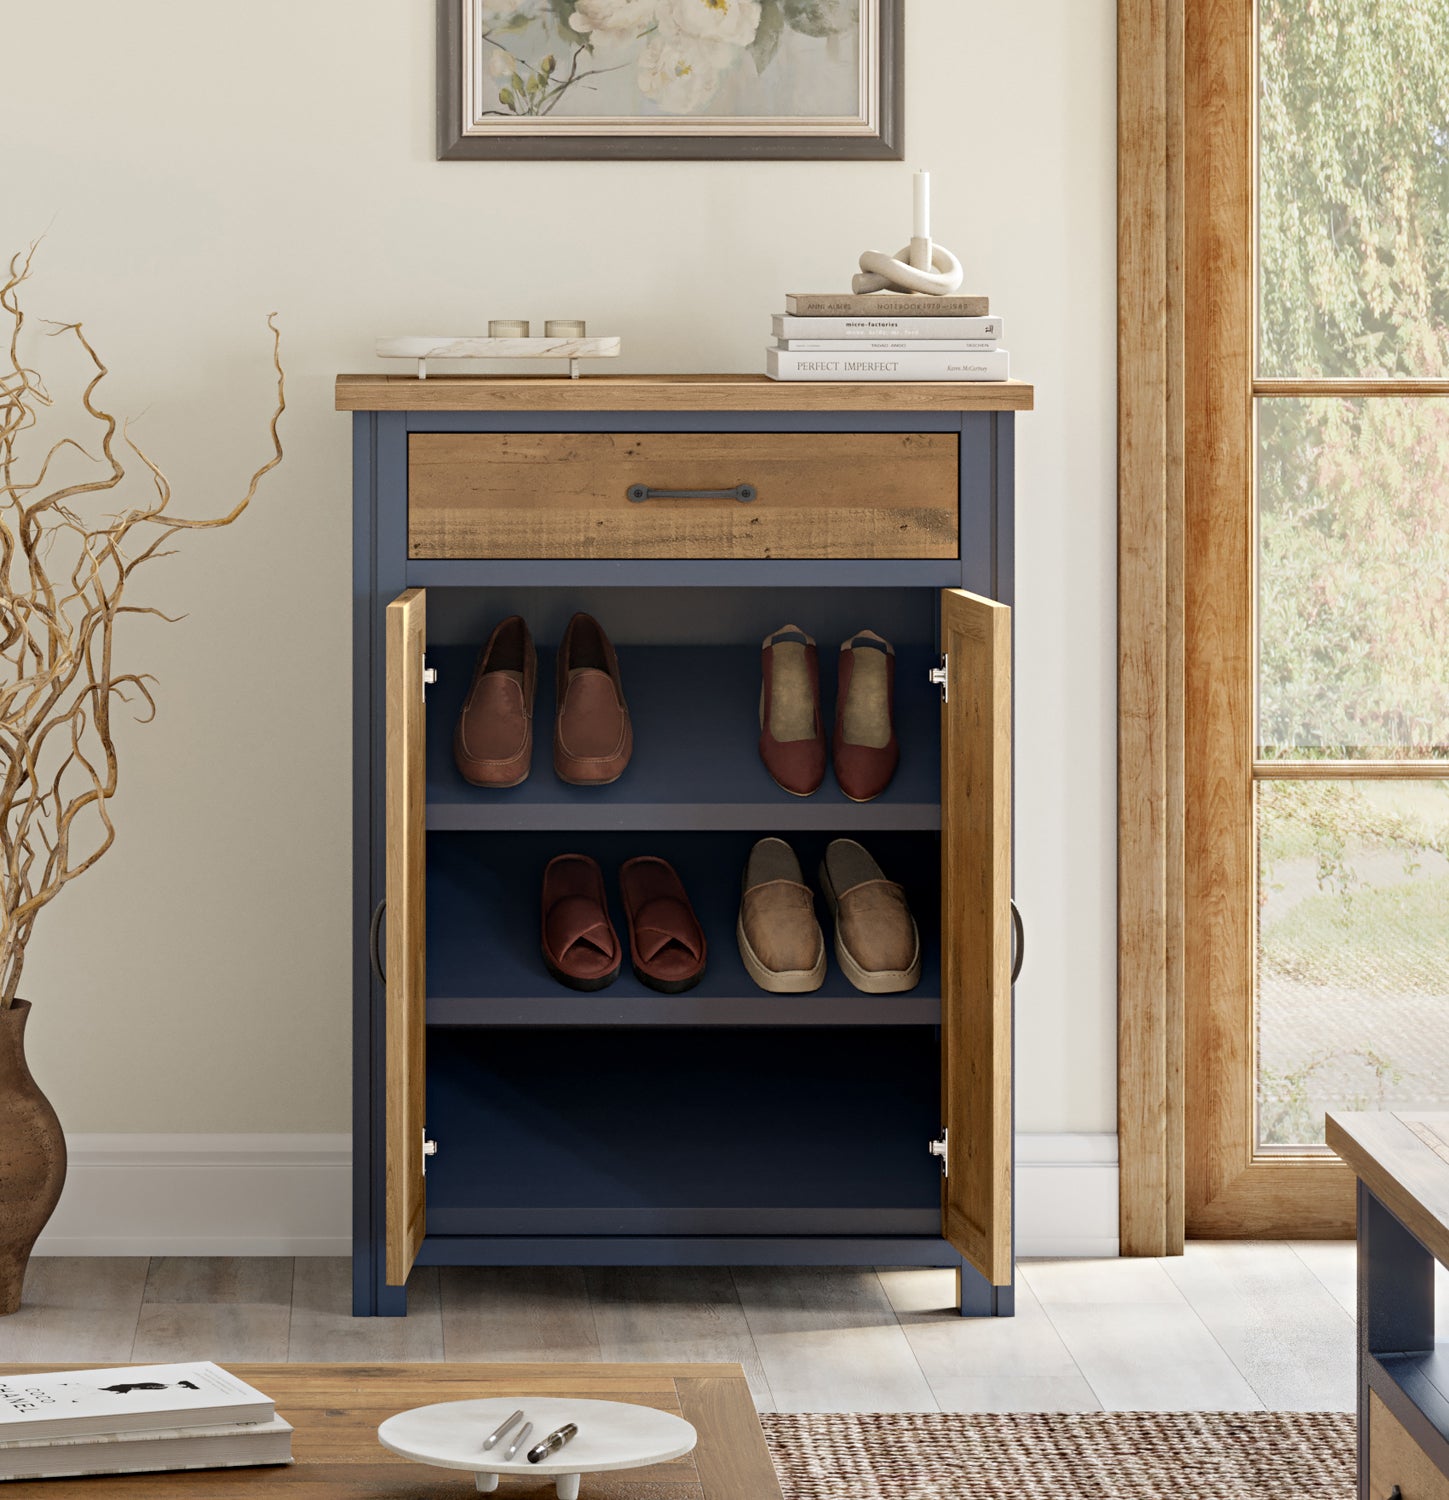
x,y
375,932
1018,935
742,492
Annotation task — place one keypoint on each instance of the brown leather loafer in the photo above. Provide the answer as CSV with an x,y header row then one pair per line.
x,y
592,736
493,741
666,942
876,940
780,940
792,737
580,947
865,749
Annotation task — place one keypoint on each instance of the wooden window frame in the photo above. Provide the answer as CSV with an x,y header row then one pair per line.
x,y
1150,430
1230,1188
1187,857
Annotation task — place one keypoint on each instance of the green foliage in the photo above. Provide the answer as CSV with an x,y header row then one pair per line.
x,y
1354,280
1336,822
1354,576
767,38
1386,939
1354,201
561,11
820,17
1290,1111
1353,539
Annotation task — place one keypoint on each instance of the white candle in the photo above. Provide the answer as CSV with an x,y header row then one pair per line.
x,y
921,219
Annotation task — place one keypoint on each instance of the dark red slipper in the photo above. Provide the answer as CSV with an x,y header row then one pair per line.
x,y
580,946
666,942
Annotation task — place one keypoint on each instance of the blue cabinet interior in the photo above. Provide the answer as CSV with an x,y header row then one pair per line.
x,y
724,1125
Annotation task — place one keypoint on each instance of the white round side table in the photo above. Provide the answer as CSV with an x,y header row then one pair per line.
x,y
612,1435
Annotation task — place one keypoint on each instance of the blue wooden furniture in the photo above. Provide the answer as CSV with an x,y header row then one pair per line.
x,y
501,1119
1401,1161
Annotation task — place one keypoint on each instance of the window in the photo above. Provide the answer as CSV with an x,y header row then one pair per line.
x,y
1317,603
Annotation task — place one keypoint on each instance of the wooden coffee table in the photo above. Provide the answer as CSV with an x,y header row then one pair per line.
x,y
336,1410
1401,1159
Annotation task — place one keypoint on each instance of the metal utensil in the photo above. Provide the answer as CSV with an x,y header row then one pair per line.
x,y
517,1443
552,1443
498,1432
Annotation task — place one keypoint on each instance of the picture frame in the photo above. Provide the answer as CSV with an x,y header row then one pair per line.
x,y
670,79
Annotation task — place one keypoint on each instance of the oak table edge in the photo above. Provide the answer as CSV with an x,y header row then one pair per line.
x,y
702,393
1402,1197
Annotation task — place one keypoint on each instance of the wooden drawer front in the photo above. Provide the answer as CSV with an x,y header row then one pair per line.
x,y
559,494
1396,1459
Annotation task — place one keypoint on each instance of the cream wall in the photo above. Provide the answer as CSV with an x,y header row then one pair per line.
x,y
195,165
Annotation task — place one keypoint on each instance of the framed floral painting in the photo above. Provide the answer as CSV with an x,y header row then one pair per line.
x,y
669,78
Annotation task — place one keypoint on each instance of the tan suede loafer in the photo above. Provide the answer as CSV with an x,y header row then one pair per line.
x,y
876,940
780,940
493,742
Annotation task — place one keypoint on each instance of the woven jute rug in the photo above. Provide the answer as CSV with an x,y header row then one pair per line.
x,y
1063,1456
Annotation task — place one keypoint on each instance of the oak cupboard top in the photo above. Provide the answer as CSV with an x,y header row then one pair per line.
x,y
377,392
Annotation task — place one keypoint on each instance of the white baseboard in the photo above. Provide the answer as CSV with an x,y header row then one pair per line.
x,y
291,1195
1066,1195
204,1195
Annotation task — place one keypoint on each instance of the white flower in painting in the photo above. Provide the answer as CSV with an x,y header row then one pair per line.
x,y
731,21
682,73
613,20
502,64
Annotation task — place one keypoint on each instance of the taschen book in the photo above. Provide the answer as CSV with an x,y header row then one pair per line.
x,y
134,1419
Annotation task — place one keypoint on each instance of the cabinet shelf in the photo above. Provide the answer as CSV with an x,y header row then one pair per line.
x,y
485,968
1417,1381
696,763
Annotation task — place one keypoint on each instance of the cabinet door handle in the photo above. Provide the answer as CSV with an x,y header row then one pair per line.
x,y
741,492
374,933
1018,942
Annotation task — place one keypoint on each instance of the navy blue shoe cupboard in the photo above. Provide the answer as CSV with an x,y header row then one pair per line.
x,y
500,1119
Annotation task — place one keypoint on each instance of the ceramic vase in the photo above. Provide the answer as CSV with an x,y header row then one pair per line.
x,y
32,1157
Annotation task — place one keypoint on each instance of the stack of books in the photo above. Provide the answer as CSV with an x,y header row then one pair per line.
x,y
886,336
136,1420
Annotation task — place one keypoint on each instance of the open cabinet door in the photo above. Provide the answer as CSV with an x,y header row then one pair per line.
x,y
976,931
406,824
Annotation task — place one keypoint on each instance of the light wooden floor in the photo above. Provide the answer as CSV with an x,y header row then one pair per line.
x,y
1226,1327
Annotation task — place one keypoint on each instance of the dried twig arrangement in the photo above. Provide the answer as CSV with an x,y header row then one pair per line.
x,y
64,566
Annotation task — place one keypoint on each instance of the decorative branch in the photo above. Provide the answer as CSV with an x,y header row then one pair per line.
x,y
64,571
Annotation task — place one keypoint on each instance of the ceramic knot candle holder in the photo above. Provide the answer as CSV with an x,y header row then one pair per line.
x,y
933,271
922,267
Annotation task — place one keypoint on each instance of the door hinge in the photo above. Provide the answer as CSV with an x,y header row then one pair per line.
x,y
940,677
941,1147
430,675
430,1148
